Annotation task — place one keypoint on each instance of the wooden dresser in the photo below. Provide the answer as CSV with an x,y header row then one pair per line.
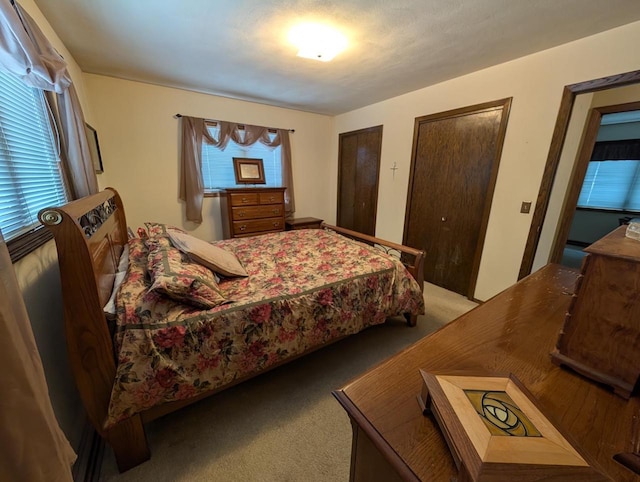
x,y
513,332
251,211
601,334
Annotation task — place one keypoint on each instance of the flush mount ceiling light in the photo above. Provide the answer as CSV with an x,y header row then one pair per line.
x,y
317,41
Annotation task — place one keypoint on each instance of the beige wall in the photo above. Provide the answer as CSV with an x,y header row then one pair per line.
x,y
39,280
139,136
535,82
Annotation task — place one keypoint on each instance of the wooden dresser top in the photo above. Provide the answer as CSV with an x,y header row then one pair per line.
x,y
513,332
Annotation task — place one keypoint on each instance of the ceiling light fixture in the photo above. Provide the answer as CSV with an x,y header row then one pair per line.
x,y
317,41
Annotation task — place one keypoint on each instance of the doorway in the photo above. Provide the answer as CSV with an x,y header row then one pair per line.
x,y
454,166
358,176
536,249
604,190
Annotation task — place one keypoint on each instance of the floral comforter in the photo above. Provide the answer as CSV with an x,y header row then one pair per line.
x,y
305,288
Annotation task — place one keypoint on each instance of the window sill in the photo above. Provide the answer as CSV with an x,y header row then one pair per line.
x,y
26,243
212,194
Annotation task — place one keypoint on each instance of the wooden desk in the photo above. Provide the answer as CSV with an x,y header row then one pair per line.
x,y
513,332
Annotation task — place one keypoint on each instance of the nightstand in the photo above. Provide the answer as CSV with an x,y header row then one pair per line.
x,y
302,223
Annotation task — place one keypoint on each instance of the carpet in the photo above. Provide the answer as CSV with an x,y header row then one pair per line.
x,y
284,425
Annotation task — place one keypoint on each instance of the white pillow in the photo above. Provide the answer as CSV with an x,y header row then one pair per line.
x,y
123,264
216,259
110,307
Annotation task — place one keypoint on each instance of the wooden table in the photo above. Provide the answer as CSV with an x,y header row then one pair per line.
x,y
513,332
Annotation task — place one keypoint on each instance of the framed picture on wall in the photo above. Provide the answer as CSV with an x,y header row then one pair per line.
x,y
248,171
94,147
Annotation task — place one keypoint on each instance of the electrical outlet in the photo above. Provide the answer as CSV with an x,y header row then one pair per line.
x,y
525,207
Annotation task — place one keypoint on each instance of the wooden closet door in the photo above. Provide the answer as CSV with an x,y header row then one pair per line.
x,y
358,173
453,172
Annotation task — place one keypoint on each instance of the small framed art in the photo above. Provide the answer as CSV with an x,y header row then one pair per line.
x,y
248,171
94,147
497,431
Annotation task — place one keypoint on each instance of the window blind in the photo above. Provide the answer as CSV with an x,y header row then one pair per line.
x,y
217,164
611,185
30,173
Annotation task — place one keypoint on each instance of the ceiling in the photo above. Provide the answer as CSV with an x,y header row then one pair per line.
x,y
239,48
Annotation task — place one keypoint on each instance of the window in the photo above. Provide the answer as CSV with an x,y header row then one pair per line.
x,y
217,164
30,172
611,185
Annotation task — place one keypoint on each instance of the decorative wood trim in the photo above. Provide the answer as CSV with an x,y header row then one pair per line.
x,y
575,184
555,150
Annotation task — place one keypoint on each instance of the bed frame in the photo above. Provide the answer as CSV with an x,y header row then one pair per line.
x,y
90,234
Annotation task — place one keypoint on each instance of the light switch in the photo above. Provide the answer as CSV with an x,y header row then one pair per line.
x,y
525,207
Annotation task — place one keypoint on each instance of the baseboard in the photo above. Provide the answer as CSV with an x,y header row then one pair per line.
x,y
90,454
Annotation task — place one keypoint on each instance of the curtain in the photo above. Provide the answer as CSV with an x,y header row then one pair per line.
x,y
625,150
26,52
194,132
33,445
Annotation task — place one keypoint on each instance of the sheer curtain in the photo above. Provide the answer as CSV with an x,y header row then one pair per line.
x,y
26,52
194,132
33,445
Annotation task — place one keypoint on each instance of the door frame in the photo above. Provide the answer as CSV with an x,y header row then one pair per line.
x,y
579,172
375,199
505,105
569,94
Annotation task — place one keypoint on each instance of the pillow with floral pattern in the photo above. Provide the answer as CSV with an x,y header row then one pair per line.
x,y
173,275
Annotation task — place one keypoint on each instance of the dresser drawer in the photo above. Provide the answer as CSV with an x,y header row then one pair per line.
x,y
271,197
258,225
250,211
243,199
256,212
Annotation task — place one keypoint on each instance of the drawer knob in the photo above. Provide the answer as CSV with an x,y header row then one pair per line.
x,y
244,200
276,224
271,198
241,214
243,227
276,211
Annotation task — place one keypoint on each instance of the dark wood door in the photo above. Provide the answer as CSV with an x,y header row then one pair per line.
x,y
358,174
453,171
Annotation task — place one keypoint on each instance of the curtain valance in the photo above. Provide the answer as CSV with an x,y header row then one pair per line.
x,y
195,131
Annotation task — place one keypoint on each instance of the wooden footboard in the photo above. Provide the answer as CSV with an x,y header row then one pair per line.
x,y
412,258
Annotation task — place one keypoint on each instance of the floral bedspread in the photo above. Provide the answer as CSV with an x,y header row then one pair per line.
x,y
305,288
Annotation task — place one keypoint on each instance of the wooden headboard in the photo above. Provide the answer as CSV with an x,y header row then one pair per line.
x,y
90,234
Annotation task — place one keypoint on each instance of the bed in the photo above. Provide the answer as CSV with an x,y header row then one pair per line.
x,y
302,290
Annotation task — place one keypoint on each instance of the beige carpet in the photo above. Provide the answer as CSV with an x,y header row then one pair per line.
x,y
282,426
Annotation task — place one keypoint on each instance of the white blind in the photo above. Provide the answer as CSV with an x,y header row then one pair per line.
x,y
611,185
30,176
217,165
